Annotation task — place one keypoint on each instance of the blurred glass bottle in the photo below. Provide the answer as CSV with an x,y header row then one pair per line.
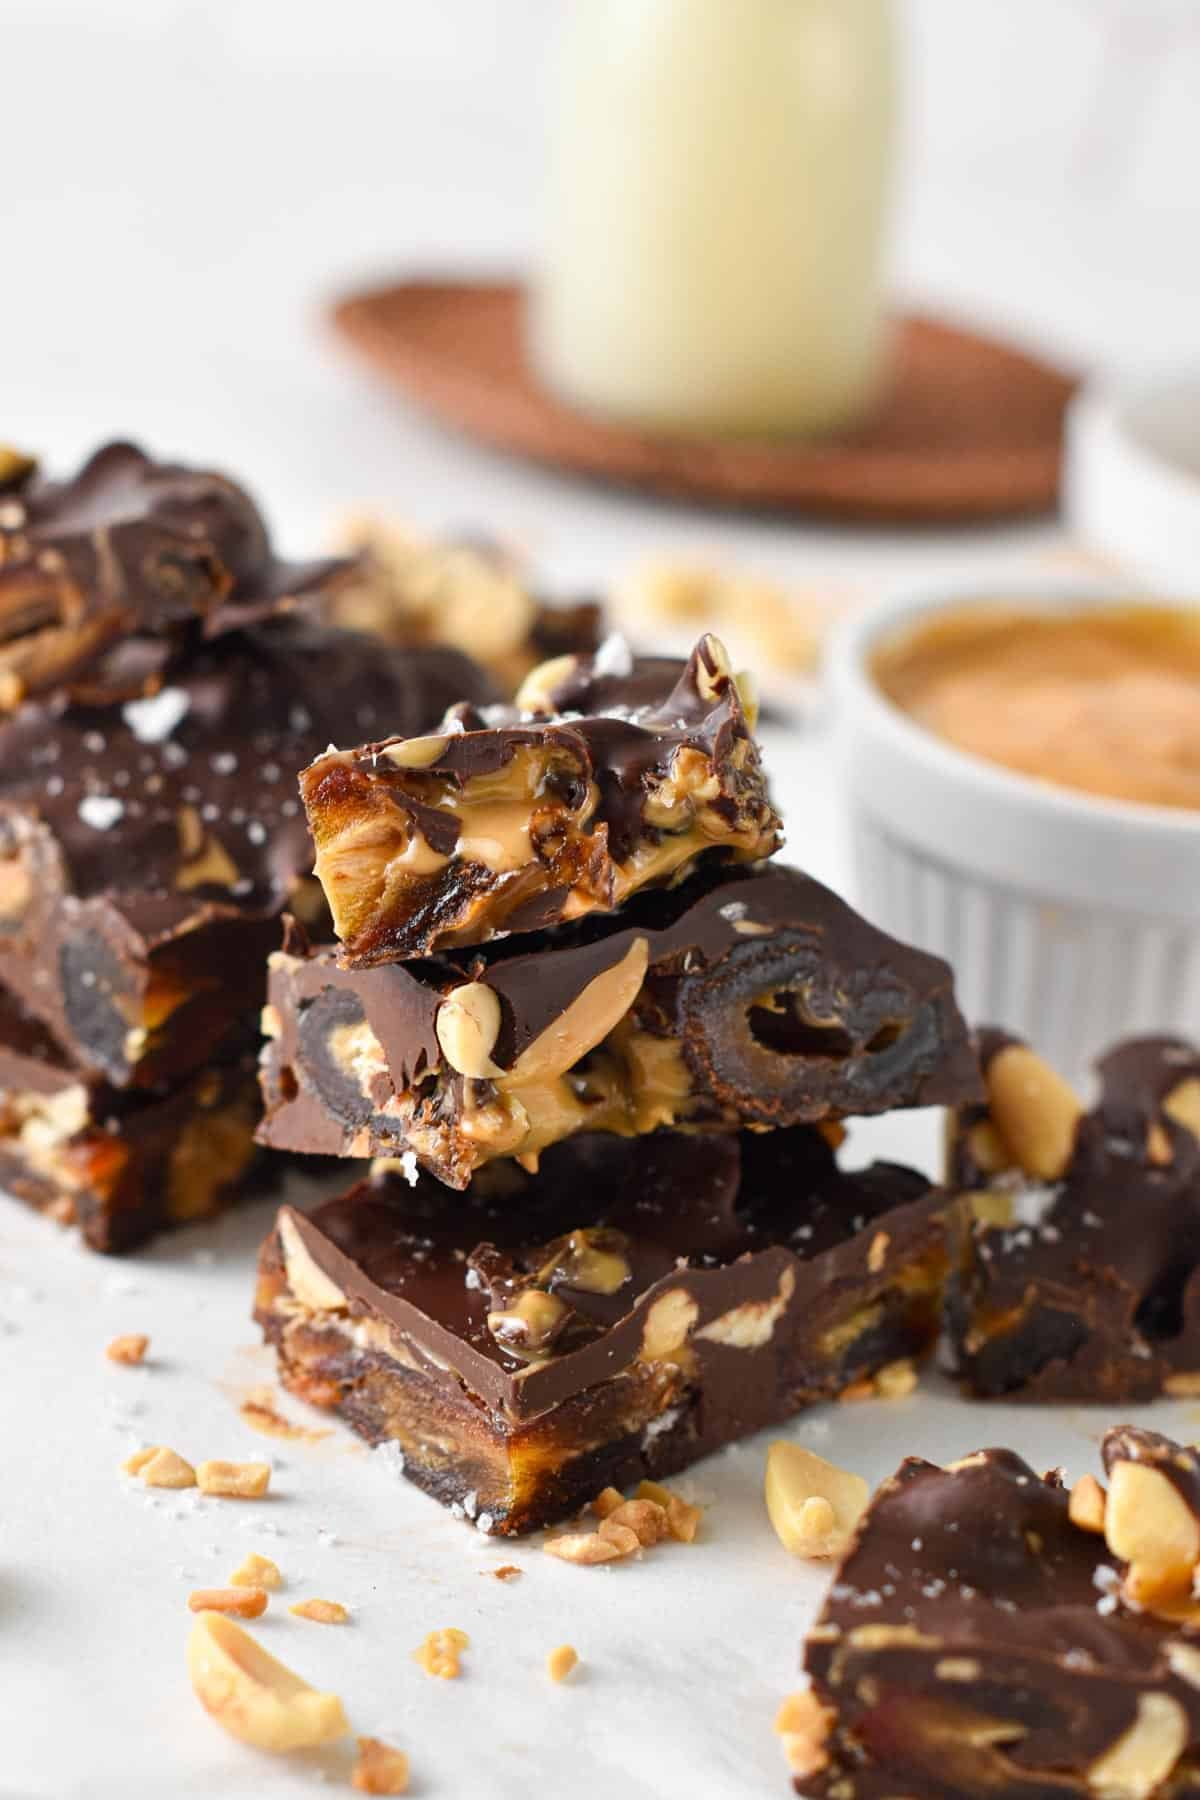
x,y
718,191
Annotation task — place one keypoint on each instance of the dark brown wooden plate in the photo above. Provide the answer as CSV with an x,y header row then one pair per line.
x,y
970,428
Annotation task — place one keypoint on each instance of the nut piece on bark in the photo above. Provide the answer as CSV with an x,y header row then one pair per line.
x,y
379,1769
804,1725
1183,1105
1149,1525
814,1506
468,1024
234,1481
1035,1111
129,1348
667,1324
254,1697
1145,1754
439,1652
1086,1506
242,1602
257,1571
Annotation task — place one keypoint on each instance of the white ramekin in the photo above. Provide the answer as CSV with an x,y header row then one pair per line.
x,y
1069,920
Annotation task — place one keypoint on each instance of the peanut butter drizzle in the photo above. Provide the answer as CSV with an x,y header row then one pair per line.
x,y
1102,700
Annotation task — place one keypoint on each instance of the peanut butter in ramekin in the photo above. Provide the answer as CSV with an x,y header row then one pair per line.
x,y
1105,700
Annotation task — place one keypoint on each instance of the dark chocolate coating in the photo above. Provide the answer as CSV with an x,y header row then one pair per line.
x,y
589,817
110,817
1093,1294
128,548
771,1261
122,1165
973,1643
785,1005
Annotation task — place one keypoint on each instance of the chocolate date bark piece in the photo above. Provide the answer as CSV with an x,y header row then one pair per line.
x,y
119,1166
489,827
977,1640
147,849
130,548
630,1308
465,591
1081,1274
752,997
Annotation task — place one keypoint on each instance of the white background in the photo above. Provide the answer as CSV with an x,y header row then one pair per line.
x,y
185,182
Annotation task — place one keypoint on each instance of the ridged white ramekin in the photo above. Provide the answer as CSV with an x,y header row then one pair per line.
x,y
1070,920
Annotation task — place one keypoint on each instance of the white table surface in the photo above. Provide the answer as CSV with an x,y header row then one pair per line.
x,y
187,181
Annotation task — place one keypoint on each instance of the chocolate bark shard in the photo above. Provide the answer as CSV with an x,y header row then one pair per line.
x,y
120,1166
514,822
463,590
130,549
743,997
674,1300
147,849
975,1642
1084,1285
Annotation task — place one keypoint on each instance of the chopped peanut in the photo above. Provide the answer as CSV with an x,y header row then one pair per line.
x,y
1086,1505
242,1602
683,1519
505,1572
623,1538
234,1481
438,1655
588,1546
803,1725
129,1348
607,1501
160,1467
379,1769
257,1571
813,1505
645,1518
560,1662
254,1697
322,1612
1149,1525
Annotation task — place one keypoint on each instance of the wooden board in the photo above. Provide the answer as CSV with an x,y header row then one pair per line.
x,y
970,428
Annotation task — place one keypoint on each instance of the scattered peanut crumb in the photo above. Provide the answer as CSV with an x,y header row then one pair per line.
x,y
505,1572
645,1518
438,1655
254,1697
129,1348
683,1519
560,1662
257,1571
261,1415
607,1501
242,1602
587,1546
814,1505
322,1612
379,1769
234,1481
160,1467
804,1725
